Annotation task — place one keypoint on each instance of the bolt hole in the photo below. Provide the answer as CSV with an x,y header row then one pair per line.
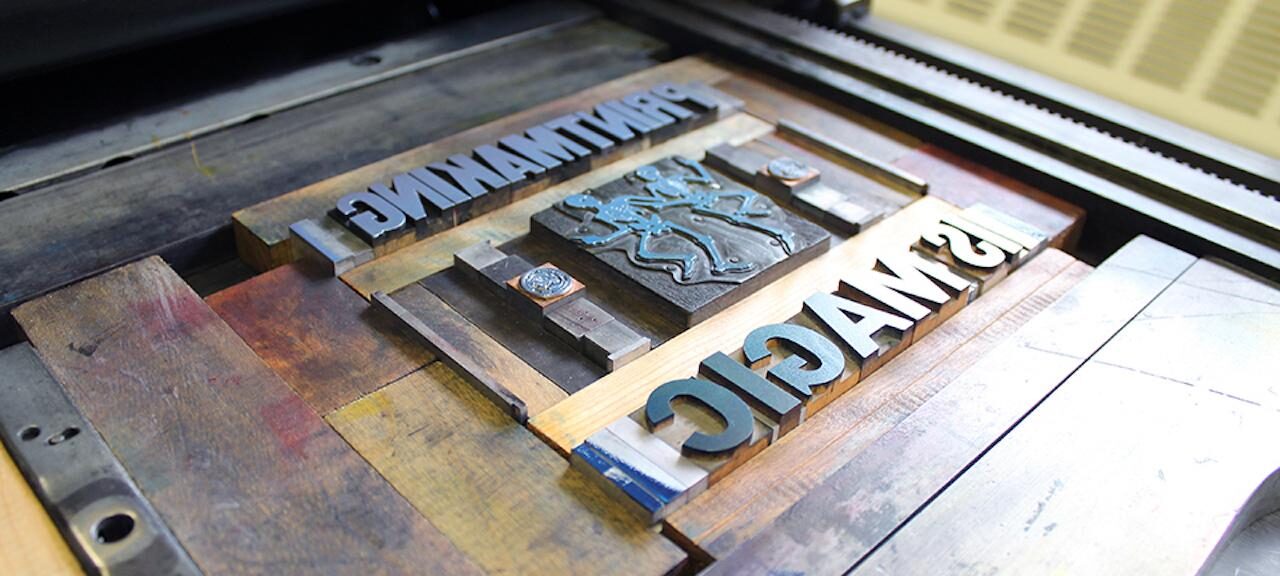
x,y
113,528
65,435
366,60
118,160
29,433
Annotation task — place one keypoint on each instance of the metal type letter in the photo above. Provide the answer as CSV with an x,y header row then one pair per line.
x,y
375,223
665,112
512,167
739,423
570,123
757,391
470,175
813,348
545,147
834,313
910,276
617,122
446,190
407,193
674,93
984,255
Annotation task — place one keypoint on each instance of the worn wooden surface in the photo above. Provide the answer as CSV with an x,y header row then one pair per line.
x,y
480,350
751,498
845,517
318,334
29,541
569,423
500,494
1139,463
176,202
262,231
247,476
436,253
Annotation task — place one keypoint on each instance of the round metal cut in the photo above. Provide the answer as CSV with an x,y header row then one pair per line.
x,y
788,168
546,282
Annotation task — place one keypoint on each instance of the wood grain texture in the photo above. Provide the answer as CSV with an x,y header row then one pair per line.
x,y
1180,451
176,202
247,476
480,351
748,500
262,231
318,334
569,423
434,254
29,541
837,523
499,493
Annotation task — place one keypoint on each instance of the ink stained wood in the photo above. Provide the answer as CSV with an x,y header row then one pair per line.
x,y
750,499
318,335
176,202
498,492
862,503
247,476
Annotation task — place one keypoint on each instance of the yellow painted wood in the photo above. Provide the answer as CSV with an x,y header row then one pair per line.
x,y
500,495
29,542
434,254
568,423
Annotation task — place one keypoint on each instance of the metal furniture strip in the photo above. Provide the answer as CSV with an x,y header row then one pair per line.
x,y
107,521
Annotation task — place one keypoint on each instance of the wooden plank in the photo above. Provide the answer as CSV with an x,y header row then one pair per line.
x,y
29,541
1164,467
246,475
175,202
318,335
434,254
618,394
498,492
262,230
748,500
841,520
472,351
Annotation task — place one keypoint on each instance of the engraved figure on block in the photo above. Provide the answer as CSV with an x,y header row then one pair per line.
x,y
641,215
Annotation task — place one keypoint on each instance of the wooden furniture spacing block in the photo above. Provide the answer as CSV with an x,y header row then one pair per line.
x,y
574,320
318,334
225,451
496,372
910,464
1180,430
497,492
327,244
640,470
748,501
613,345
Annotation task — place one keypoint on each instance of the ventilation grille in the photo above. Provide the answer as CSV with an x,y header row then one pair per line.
x,y
1211,64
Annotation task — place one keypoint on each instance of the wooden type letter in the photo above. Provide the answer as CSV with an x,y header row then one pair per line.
x,y
758,392
512,167
813,349
688,94
571,124
736,414
662,110
619,125
974,258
